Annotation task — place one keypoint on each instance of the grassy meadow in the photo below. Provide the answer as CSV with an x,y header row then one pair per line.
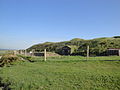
x,y
63,73
3,52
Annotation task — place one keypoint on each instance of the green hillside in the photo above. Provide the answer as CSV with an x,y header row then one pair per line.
x,y
98,46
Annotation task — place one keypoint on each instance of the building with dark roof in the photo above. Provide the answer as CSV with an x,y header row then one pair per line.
x,y
69,49
113,51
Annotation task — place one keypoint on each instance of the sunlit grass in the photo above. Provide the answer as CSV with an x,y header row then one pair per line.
x,y
63,73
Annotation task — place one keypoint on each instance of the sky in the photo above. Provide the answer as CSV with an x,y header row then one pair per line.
x,y
24,23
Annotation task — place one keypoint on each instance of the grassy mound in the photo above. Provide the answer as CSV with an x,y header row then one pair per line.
x,y
8,59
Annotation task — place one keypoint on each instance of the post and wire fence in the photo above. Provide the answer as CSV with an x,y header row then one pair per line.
x,y
32,53
88,54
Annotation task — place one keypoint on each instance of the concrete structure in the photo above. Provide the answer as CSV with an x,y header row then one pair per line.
x,y
68,50
114,51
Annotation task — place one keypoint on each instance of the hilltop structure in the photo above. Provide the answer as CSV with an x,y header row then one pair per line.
x,y
68,50
114,51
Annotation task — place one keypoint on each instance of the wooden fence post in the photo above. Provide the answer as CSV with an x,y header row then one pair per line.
x,y
88,52
14,52
21,52
45,55
119,52
25,53
33,52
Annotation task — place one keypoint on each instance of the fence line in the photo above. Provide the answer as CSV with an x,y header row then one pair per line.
x,y
87,53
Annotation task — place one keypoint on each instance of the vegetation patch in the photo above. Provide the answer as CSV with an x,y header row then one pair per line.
x,y
8,59
98,46
28,58
4,86
63,73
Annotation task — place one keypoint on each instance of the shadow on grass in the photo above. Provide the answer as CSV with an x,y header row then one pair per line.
x,y
4,86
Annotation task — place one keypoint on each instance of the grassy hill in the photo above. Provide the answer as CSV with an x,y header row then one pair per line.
x,y
98,46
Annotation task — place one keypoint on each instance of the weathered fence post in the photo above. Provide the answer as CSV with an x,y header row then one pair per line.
x,y
33,52
25,52
14,52
119,52
88,52
17,51
21,52
45,55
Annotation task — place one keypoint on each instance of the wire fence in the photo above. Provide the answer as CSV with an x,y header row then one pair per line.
x,y
88,55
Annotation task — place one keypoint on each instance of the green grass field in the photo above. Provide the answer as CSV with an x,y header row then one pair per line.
x,y
63,73
3,52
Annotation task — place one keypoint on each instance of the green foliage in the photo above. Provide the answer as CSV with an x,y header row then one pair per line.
x,y
116,37
98,46
63,73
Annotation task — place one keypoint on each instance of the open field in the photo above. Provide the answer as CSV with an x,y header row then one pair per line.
x,y
63,73
2,52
